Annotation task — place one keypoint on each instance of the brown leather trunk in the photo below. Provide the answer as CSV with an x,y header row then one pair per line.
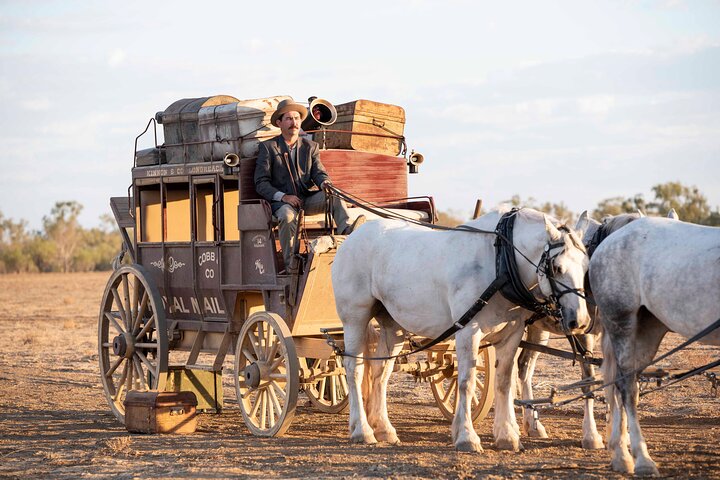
x,y
366,126
160,412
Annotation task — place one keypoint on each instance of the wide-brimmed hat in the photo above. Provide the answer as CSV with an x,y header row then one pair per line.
x,y
288,105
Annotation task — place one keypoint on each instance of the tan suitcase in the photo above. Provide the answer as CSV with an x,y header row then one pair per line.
x,y
371,127
160,412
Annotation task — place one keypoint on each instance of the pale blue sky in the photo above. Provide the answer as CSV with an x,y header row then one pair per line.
x,y
572,101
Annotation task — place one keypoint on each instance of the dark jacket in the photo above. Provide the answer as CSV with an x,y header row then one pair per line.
x,y
271,170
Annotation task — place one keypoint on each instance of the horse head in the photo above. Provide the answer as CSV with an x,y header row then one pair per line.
x,y
561,275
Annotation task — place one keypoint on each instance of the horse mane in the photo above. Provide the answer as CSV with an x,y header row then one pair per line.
x,y
616,222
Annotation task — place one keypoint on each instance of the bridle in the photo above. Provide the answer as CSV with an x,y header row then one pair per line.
x,y
512,287
546,267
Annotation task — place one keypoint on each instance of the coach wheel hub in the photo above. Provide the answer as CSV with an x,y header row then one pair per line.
x,y
252,375
123,345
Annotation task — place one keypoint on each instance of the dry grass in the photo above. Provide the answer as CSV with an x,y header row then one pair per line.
x,y
120,445
52,456
55,421
27,338
51,296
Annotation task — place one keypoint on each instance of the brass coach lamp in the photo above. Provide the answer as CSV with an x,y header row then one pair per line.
x,y
230,161
414,161
321,113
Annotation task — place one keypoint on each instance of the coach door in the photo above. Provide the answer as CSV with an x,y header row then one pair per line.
x,y
205,195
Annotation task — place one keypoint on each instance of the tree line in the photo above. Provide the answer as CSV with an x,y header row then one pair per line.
x,y
690,204
63,245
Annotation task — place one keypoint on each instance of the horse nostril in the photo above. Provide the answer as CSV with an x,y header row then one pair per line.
x,y
572,324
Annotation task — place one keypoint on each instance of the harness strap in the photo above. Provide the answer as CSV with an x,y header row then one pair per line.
x,y
458,325
682,376
706,331
467,316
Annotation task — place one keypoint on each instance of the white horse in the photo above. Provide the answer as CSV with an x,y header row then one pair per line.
x,y
653,276
419,280
539,333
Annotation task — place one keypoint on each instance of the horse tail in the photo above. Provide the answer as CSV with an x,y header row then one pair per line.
x,y
609,372
372,337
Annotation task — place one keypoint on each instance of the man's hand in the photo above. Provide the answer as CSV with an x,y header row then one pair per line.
x,y
325,185
293,201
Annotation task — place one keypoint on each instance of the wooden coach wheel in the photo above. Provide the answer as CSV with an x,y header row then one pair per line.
x,y
329,394
266,374
132,337
444,385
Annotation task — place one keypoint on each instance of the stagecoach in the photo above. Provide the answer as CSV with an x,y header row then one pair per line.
x,y
203,277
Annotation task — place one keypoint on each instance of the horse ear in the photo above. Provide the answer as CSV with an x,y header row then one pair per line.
x,y
673,214
583,221
640,212
554,233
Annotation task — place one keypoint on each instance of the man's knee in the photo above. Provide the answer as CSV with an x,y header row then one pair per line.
x,y
286,214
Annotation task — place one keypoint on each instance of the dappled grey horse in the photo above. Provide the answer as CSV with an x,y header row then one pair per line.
x,y
652,276
539,333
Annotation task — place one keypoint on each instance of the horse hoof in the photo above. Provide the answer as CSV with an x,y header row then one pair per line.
x,y
538,432
645,469
361,437
387,437
508,444
468,447
622,465
593,443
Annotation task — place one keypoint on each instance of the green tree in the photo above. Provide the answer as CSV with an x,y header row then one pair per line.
x,y
619,205
688,202
63,229
43,253
14,239
98,248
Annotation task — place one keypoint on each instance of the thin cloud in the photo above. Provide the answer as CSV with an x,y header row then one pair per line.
x,y
596,104
116,58
36,104
254,45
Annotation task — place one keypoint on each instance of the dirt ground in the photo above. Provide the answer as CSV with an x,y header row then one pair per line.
x,y
55,421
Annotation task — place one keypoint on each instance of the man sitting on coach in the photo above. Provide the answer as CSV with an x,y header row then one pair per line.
x,y
288,174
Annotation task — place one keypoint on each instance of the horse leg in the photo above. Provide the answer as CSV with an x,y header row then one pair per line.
x,y
645,347
592,440
615,340
389,344
355,338
526,368
624,350
614,409
464,436
505,427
